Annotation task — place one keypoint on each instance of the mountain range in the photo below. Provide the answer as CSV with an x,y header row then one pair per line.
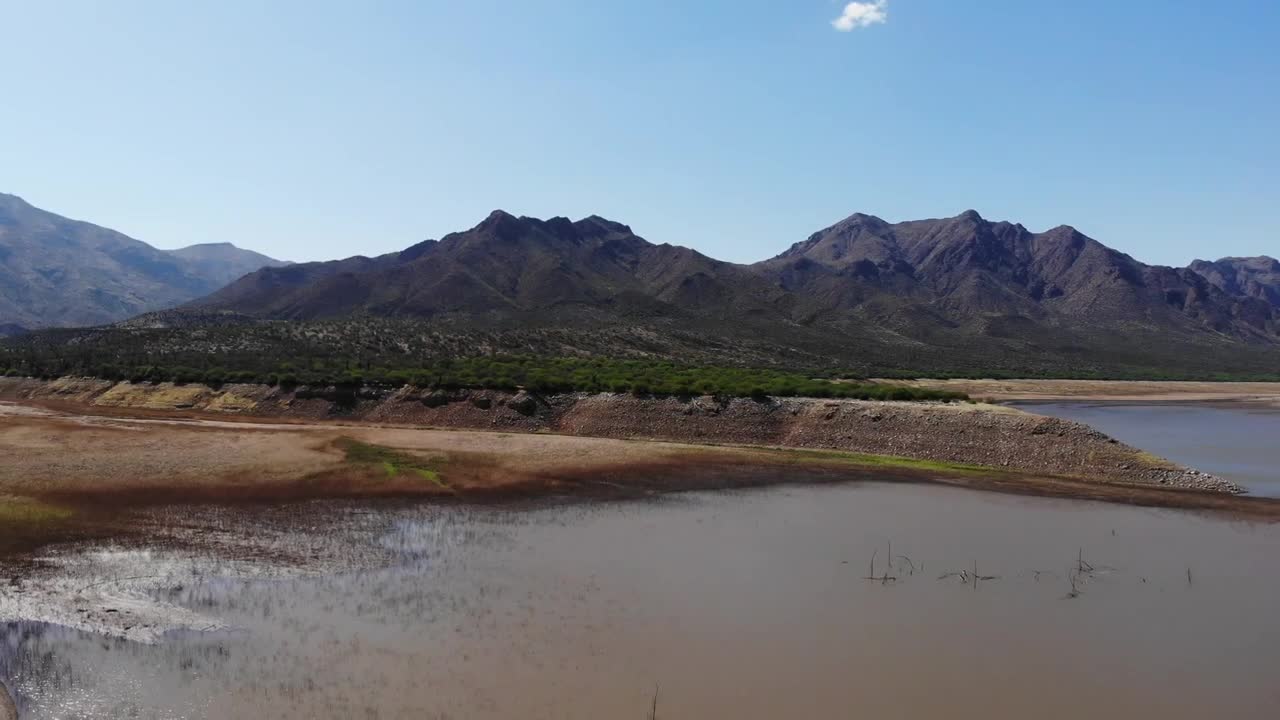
x,y
961,294
56,272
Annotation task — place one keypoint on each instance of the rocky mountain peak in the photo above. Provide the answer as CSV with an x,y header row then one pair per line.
x,y
1255,277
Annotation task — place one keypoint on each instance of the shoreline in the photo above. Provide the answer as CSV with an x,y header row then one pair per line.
x,y
1259,394
83,455
69,449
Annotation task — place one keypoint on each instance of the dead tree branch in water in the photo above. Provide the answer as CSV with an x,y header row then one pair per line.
x,y
1077,575
969,577
884,579
1083,567
1075,585
911,566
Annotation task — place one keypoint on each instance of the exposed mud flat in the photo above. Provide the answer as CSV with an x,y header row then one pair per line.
x,y
745,604
971,434
82,476
136,584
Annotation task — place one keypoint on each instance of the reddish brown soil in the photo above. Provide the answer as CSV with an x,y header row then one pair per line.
x,y
97,462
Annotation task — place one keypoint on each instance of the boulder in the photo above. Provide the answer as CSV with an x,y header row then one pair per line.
x,y
524,403
436,398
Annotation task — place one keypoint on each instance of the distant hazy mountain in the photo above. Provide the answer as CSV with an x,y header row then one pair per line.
x,y
959,292
59,272
224,262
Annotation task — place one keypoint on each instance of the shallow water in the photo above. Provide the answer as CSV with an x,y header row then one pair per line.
x,y
744,604
1237,442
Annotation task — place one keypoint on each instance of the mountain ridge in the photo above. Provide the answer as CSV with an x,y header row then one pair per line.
x,y
55,271
958,294
1252,276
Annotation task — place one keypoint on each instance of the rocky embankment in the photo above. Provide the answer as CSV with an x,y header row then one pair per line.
x,y
984,435
7,709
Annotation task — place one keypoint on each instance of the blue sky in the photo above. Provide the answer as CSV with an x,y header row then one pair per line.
x,y
315,130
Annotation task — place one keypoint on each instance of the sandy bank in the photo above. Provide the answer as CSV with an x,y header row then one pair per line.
x,y
1109,390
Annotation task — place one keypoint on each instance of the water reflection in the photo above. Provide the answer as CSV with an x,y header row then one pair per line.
x,y
747,604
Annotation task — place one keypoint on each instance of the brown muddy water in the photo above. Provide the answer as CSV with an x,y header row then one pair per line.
x,y
1236,441
752,604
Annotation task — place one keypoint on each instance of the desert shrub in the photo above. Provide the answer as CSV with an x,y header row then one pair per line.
x,y
289,364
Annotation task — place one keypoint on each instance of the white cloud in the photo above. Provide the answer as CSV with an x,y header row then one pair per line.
x,y
862,14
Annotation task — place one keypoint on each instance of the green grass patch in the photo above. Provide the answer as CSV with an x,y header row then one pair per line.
x,y
15,512
886,461
431,476
393,462
1154,461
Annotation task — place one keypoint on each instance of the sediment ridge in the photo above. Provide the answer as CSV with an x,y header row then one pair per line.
x,y
973,434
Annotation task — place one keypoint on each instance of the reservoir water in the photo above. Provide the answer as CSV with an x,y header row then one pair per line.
x,y
1239,442
861,600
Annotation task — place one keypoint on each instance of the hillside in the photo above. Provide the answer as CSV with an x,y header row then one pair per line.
x,y
56,272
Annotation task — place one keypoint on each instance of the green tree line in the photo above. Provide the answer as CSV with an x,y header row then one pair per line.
x,y
538,374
